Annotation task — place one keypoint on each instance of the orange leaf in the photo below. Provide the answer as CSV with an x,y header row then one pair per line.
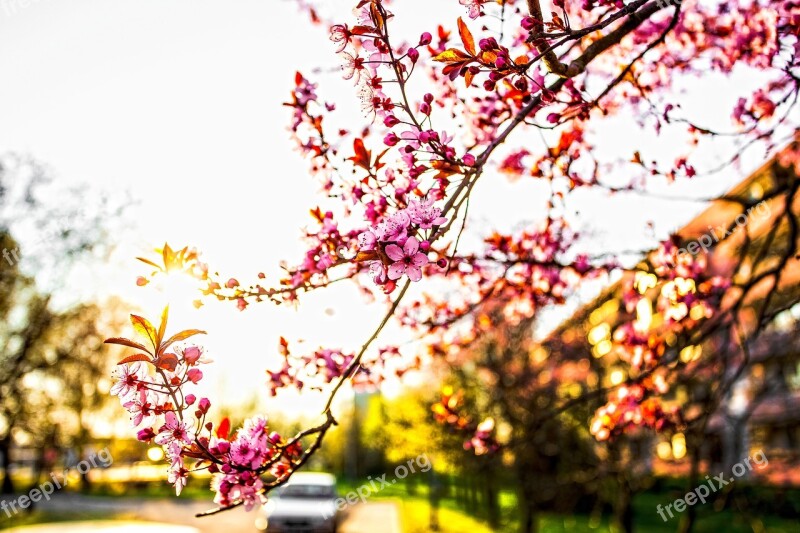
x,y
183,335
468,79
451,55
135,357
466,37
143,327
162,327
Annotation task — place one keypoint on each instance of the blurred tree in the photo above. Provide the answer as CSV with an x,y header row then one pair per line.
x,y
50,359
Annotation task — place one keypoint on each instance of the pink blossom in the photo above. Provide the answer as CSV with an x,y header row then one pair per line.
x,y
175,430
128,380
394,228
473,6
408,260
141,408
424,214
191,354
341,36
366,241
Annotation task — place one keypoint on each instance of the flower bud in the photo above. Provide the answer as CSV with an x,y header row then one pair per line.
x,y
391,139
194,375
204,405
191,355
145,435
425,39
413,54
190,399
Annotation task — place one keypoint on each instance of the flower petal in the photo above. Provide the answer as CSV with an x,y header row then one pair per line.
x,y
419,260
410,247
394,252
397,270
414,273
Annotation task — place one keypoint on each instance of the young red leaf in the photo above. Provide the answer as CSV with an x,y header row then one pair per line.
x,y
224,428
466,37
362,157
135,357
127,342
167,361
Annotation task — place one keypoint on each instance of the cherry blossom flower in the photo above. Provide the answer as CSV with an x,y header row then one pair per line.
x,y
474,7
128,380
352,67
142,408
340,35
424,214
175,430
408,260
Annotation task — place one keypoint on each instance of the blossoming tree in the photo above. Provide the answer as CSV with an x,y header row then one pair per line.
x,y
489,81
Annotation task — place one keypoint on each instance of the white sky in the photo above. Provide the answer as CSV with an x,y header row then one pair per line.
x,y
178,102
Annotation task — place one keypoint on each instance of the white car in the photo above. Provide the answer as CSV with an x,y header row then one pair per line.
x,y
305,504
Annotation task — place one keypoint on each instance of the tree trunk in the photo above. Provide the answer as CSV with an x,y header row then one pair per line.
x,y
5,463
623,510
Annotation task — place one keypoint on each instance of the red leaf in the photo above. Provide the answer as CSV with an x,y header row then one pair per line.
x,y
466,37
223,428
362,157
167,361
127,342
135,357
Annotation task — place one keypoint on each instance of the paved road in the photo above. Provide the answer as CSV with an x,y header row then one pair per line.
x,y
362,518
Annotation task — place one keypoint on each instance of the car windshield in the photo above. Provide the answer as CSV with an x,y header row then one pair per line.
x,y
307,491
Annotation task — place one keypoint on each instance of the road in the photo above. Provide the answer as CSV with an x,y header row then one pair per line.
x,y
370,517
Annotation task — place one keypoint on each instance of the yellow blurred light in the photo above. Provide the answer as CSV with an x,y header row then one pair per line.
x,y
598,333
684,285
691,353
664,450
602,348
644,281
697,312
644,315
678,446
599,314
617,377
155,454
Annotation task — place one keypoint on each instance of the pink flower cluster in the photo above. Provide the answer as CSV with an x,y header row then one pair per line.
x,y
393,244
161,409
